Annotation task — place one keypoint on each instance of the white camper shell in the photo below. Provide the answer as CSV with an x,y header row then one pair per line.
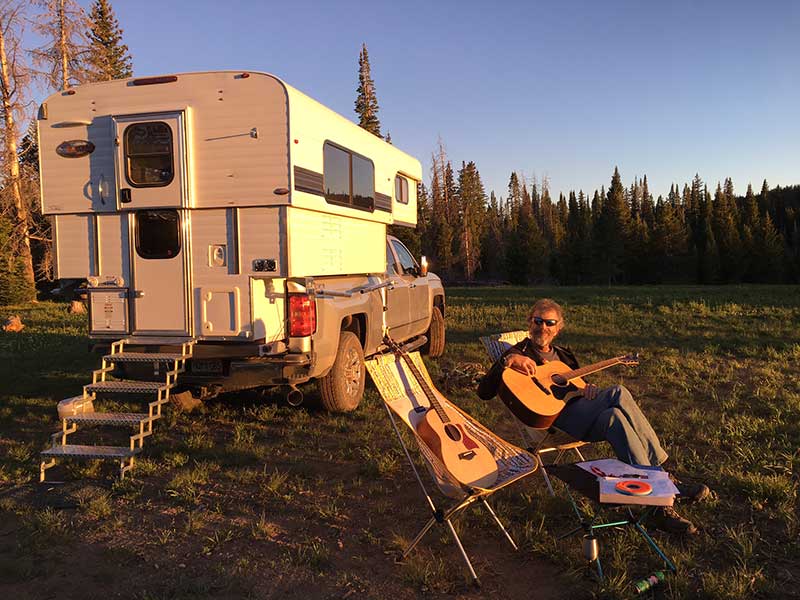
x,y
230,209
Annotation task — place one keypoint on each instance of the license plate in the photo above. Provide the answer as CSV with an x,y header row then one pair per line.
x,y
213,367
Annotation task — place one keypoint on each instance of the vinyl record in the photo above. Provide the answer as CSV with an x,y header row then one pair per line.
x,y
634,488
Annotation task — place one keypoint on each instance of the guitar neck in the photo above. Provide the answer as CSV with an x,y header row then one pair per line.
x,y
429,394
589,369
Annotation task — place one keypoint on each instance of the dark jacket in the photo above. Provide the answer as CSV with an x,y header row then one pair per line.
x,y
487,388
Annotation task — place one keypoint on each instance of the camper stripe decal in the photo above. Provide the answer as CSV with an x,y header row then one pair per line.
x,y
383,202
309,181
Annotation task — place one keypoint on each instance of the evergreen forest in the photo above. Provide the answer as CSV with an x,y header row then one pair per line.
x,y
619,235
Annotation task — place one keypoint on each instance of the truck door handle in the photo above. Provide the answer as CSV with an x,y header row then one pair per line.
x,y
138,294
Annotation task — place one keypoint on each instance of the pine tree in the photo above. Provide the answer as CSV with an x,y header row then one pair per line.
x,y
613,233
15,203
493,242
366,100
108,57
471,200
727,234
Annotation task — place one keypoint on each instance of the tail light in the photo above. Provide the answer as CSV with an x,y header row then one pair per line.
x,y
302,316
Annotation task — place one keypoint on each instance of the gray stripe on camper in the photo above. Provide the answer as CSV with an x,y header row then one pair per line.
x,y
383,202
309,181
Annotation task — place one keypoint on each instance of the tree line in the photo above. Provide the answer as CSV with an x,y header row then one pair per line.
x,y
76,47
622,235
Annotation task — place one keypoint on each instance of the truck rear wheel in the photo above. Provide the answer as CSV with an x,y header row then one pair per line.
x,y
436,333
341,389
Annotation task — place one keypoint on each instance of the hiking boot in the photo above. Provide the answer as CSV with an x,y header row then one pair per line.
x,y
667,519
690,492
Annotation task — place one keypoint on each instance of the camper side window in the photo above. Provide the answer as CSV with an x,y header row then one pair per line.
x,y
148,154
349,178
401,189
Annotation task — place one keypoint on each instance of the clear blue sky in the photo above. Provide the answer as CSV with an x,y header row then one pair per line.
x,y
565,90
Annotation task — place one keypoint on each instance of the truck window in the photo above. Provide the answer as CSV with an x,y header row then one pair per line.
x,y
404,256
157,234
148,154
349,178
401,189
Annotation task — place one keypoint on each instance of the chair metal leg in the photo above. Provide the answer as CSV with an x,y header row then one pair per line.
x,y
431,522
463,553
500,524
546,476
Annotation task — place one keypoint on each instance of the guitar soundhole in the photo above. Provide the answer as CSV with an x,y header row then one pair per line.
x,y
559,379
452,432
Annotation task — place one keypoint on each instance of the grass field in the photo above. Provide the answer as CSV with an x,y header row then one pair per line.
x,y
251,498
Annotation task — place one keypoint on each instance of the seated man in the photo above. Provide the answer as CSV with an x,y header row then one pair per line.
x,y
610,414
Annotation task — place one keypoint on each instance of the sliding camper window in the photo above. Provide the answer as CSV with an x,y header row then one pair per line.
x,y
349,178
158,234
401,189
148,154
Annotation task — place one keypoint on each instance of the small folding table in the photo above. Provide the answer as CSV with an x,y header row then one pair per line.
x,y
579,477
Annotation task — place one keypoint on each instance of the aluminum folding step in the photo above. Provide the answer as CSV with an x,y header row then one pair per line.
x,y
78,451
144,357
109,418
125,387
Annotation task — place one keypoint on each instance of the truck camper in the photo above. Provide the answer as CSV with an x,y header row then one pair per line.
x,y
229,219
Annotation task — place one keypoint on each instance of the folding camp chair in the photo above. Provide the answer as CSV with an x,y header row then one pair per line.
x,y
537,441
404,397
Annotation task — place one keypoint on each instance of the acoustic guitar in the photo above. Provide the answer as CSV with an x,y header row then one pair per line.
x,y
443,431
537,401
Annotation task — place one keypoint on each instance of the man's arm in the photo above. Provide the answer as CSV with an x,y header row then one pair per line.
x,y
515,358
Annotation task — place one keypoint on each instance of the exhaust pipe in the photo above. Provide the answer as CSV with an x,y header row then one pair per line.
x,y
294,397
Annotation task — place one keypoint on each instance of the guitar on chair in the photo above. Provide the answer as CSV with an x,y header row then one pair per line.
x,y
444,432
537,401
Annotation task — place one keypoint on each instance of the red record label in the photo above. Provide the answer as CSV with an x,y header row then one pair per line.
x,y
634,488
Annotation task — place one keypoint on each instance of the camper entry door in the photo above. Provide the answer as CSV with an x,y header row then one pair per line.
x,y
151,179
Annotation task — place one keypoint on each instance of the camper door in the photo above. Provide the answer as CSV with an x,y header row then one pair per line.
x,y
151,179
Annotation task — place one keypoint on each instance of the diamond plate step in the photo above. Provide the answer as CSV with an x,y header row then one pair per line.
x,y
143,357
109,418
77,451
125,387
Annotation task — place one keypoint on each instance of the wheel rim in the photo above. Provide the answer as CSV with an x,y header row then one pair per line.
x,y
352,372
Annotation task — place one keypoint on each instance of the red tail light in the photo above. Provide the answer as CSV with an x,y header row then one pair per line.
x,y
302,316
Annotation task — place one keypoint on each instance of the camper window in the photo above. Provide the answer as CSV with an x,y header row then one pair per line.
x,y
148,154
349,178
401,189
157,234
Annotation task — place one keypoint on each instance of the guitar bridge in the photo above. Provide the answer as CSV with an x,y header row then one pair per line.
x,y
468,455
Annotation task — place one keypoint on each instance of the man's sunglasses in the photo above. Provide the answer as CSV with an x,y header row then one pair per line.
x,y
548,322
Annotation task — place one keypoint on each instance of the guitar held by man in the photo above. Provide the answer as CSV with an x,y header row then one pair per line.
x,y
538,399
444,432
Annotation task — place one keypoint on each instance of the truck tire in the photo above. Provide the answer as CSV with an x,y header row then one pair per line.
x,y
341,389
435,345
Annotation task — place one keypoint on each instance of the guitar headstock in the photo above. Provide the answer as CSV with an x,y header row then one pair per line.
x,y
630,360
393,346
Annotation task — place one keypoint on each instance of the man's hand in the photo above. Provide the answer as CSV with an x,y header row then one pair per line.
x,y
590,391
520,363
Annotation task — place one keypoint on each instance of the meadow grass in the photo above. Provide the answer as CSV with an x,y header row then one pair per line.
x,y
249,491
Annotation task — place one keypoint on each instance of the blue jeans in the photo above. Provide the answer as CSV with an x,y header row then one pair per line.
x,y
613,416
